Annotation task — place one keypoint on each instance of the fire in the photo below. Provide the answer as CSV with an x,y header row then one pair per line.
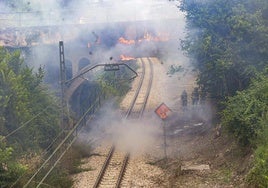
x,y
122,40
126,58
161,37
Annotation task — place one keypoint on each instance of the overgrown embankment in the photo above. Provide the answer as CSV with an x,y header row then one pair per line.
x,y
29,116
227,41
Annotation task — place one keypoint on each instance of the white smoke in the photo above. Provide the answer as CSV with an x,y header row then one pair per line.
x,y
135,136
53,12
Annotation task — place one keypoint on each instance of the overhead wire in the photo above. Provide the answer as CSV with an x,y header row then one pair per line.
x,y
24,124
59,146
43,153
57,161
51,144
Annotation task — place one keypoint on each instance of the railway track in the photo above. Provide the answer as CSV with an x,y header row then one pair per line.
x,y
114,168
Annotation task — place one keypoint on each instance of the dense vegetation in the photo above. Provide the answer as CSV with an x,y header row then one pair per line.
x,y
228,42
29,115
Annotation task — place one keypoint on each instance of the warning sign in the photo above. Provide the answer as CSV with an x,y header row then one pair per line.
x,y
162,111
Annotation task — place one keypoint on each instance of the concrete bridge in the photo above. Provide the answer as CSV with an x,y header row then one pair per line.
x,y
76,60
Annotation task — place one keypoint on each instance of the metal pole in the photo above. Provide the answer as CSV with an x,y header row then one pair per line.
x,y
165,139
62,81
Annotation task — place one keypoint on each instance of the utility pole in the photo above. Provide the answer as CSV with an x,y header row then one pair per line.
x,y
63,82
165,139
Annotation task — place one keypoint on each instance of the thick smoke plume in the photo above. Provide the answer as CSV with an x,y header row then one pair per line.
x,y
91,31
96,25
135,136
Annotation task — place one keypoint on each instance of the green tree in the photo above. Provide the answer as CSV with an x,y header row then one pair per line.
x,y
22,98
245,112
29,114
227,41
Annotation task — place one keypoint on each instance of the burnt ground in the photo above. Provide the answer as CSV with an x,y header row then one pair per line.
x,y
194,142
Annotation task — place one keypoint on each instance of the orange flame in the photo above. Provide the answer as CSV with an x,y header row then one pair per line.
x,y
161,37
125,41
126,58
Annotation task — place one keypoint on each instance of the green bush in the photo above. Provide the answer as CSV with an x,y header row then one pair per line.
x,y
258,175
10,170
244,112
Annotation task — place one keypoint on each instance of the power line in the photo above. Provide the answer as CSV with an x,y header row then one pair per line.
x,y
50,145
24,124
58,160
43,153
60,145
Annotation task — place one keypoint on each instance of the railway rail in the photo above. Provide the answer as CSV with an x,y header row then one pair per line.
x,y
114,168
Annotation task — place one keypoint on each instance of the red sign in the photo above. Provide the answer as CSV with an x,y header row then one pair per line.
x,y
162,111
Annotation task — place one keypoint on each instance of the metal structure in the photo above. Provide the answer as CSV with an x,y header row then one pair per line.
x,y
62,82
107,67
111,67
